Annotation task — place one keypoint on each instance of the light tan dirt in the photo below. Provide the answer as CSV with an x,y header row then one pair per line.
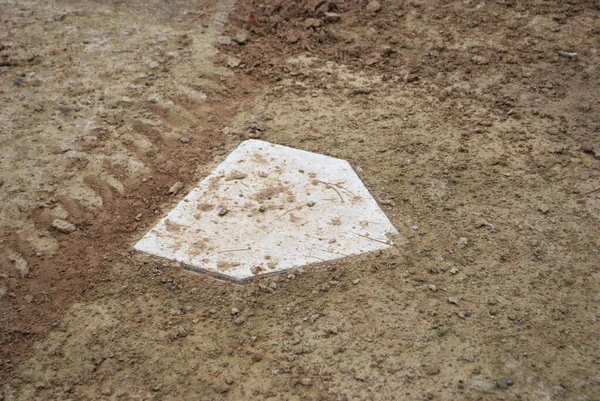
x,y
481,142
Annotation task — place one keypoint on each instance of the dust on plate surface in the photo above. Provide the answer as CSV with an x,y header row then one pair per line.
x,y
268,208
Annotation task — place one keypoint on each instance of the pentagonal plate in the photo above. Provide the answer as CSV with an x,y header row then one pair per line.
x,y
268,208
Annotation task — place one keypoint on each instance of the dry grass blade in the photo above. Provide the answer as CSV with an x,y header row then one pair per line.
x,y
261,354
591,192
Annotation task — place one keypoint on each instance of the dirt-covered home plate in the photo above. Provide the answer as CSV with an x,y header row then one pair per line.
x,y
268,208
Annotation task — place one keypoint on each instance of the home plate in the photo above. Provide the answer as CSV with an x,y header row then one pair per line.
x,y
268,208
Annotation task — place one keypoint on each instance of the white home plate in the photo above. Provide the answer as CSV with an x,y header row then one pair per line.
x,y
268,208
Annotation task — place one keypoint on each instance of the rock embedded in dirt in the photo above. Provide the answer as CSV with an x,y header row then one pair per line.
x,y
240,320
63,226
20,263
306,382
233,62
224,40
235,311
483,385
300,349
176,188
331,18
240,38
373,6
312,23
432,370
185,139
223,211
221,388
463,242
452,300
544,209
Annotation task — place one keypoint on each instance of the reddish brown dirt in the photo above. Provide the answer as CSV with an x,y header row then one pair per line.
x,y
479,138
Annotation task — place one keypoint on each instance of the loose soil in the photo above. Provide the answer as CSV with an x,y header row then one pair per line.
x,y
481,142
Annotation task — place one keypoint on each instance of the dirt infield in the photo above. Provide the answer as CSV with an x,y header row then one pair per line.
x,y
474,123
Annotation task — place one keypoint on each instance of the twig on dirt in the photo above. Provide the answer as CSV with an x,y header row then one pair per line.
x,y
262,355
567,54
187,316
591,192
234,250
346,189
56,303
332,187
316,257
197,17
290,211
493,228
388,242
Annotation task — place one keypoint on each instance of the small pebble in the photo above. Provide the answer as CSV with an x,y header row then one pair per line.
x,y
223,211
306,382
262,209
510,382
185,140
468,313
235,311
452,300
356,281
221,388
176,188
433,287
241,38
310,203
63,226
240,320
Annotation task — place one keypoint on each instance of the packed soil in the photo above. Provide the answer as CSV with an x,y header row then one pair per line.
x,y
476,124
